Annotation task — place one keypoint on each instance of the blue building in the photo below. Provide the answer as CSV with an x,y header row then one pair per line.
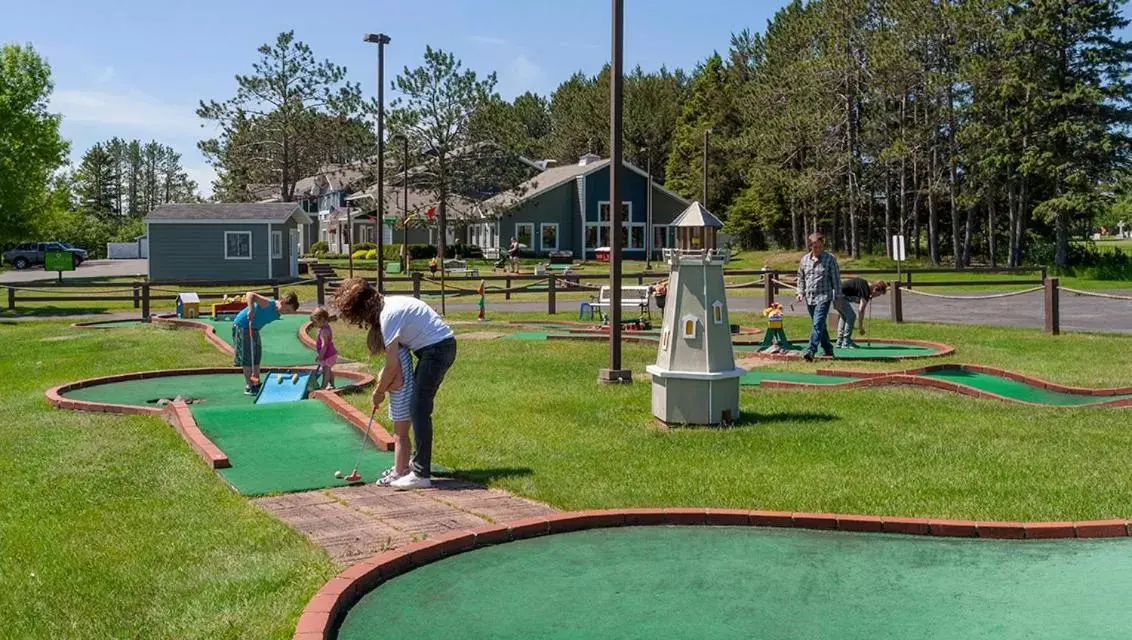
x,y
566,208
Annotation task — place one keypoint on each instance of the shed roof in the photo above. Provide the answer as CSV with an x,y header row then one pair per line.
x,y
696,216
219,212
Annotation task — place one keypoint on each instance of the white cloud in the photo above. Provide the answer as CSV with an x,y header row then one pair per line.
x,y
131,112
491,40
522,75
106,75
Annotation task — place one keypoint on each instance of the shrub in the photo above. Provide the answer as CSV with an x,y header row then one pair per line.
x,y
319,248
1085,260
391,252
421,251
371,254
363,246
359,254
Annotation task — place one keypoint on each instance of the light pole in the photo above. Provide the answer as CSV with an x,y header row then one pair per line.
x,y
380,39
405,212
615,374
707,132
648,211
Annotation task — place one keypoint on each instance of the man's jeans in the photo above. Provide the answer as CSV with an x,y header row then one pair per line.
x,y
819,313
848,318
433,362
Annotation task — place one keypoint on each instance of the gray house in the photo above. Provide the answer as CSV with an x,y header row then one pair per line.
x,y
566,208
226,242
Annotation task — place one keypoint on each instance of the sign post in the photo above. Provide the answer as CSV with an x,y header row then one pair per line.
x,y
59,261
898,253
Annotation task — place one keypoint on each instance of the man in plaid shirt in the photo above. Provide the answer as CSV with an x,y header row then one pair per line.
x,y
819,286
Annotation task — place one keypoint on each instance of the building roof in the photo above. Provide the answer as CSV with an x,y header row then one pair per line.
x,y
333,177
554,177
696,216
420,201
278,212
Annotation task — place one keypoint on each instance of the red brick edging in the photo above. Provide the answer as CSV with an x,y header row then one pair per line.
x,y
378,436
90,324
209,331
178,414
914,377
329,606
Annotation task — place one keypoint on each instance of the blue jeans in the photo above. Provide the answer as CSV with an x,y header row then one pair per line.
x,y
433,362
819,313
848,318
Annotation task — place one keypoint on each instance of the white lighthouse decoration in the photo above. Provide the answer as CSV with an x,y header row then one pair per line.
x,y
694,380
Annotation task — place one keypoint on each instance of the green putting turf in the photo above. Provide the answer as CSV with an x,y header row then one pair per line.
x,y
756,377
534,335
213,389
286,447
745,582
875,350
281,346
114,324
1018,390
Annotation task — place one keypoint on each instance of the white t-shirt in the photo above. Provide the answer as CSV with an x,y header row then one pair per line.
x,y
412,323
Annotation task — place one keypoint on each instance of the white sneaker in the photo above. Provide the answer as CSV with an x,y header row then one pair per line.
x,y
411,481
387,477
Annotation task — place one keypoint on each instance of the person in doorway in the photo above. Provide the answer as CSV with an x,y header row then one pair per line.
x,y
513,254
855,291
403,321
819,286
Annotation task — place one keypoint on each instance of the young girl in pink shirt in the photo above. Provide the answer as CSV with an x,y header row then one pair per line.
x,y
324,346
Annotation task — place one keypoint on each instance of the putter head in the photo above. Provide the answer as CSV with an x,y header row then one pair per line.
x,y
354,476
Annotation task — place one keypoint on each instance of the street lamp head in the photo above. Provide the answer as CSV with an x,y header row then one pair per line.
x,y
378,38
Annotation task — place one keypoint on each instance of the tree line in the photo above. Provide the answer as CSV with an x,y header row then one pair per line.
x,y
986,130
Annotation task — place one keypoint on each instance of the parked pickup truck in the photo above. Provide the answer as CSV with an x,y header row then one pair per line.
x,y
32,253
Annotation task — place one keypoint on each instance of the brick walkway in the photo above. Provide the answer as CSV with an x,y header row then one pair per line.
x,y
353,523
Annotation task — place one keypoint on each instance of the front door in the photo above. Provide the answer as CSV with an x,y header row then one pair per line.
x,y
295,248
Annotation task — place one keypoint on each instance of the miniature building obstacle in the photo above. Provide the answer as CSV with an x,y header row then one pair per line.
x,y
695,380
188,305
285,386
234,304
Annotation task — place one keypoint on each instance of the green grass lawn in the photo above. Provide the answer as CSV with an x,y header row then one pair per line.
x,y
112,527
529,417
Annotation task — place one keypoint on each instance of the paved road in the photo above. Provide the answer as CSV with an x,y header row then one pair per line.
x,y
1077,313
88,269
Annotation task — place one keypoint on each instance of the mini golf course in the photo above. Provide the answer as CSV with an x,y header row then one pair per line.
x,y
776,575
262,448
873,350
972,380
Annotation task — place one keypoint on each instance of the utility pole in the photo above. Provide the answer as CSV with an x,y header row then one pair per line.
x,y
615,374
380,39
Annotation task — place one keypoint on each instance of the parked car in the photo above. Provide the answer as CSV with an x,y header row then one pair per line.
x,y
33,253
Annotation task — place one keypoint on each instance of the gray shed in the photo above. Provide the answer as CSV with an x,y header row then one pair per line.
x,y
225,241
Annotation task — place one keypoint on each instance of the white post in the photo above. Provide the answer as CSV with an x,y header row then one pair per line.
x,y
270,254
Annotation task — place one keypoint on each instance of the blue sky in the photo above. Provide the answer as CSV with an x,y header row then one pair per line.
x,y
137,69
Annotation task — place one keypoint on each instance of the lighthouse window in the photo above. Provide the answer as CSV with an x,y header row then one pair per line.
x,y
717,311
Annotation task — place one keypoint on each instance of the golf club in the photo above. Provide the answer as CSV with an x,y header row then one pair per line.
x,y
354,475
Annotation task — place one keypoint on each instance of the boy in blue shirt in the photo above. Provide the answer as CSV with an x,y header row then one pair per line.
x,y
259,313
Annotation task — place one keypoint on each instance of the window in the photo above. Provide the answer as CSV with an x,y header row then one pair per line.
x,y
237,245
659,237
717,311
549,233
276,244
626,211
689,322
524,233
632,235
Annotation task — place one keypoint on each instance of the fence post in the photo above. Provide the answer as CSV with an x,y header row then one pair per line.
x,y
1052,307
275,291
897,303
768,287
550,300
145,302
507,292
640,279
11,298
137,300
417,285
320,288
908,276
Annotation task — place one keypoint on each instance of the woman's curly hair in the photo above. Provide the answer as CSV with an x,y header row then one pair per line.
x,y
359,303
